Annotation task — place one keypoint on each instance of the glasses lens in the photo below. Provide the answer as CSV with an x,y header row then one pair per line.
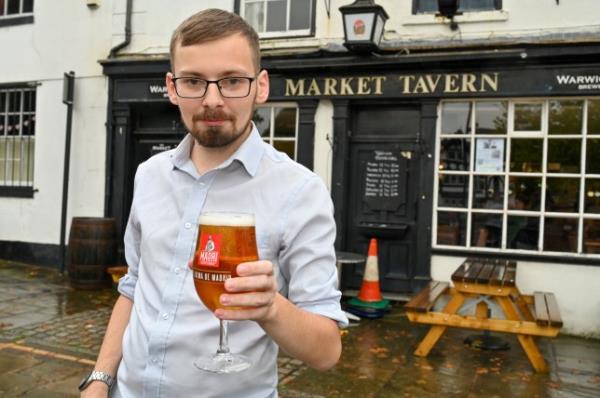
x,y
190,87
234,87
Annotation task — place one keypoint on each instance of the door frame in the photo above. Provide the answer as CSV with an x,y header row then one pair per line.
x,y
343,122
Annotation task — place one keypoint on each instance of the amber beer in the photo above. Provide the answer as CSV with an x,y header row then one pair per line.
x,y
224,241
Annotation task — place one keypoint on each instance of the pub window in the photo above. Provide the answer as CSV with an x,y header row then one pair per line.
x,y
14,12
431,6
17,139
278,126
272,18
519,176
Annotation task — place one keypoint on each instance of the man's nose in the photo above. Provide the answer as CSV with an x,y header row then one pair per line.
x,y
212,97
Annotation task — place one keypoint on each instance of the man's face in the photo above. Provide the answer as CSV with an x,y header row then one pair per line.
x,y
215,121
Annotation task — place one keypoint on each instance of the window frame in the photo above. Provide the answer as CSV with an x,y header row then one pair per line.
x,y
271,138
20,18
416,11
240,6
21,188
580,215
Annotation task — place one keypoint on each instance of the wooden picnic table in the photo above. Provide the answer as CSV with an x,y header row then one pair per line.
x,y
487,281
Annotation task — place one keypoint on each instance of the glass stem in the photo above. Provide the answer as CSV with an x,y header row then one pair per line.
x,y
223,338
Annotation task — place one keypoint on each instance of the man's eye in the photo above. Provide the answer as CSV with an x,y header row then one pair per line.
x,y
233,81
192,82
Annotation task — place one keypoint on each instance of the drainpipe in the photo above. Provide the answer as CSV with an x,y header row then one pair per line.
x,y
128,12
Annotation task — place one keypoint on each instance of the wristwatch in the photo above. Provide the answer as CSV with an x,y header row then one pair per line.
x,y
99,376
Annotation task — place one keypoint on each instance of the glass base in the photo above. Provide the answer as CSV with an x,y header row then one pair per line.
x,y
223,363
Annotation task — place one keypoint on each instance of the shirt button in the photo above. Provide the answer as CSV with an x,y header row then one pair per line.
x,y
201,184
154,360
165,316
177,270
187,225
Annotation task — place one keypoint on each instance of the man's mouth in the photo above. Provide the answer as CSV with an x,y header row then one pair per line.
x,y
213,122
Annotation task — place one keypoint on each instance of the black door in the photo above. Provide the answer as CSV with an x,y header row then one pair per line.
x,y
384,170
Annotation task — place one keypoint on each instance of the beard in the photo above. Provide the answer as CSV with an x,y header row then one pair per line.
x,y
216,136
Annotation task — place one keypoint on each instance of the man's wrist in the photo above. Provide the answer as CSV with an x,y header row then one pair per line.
x,y
97,376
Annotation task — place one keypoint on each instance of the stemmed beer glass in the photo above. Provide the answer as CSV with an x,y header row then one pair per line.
x,y
224,241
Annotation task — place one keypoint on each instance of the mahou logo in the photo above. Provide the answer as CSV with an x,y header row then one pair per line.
x,y
209,250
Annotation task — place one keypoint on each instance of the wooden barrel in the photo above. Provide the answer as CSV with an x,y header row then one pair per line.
x,y
92,249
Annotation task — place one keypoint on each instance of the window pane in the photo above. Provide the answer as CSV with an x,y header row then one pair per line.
x,y
29,125
424,6
490,117
564,156
285,146
477,5
2,100
486,230
13,7
30,152
14,101
490,155
285,122
528,117
562,195
29,101
453,190
455,154
28,6
451,228
254,13
560,234
488,192
524,193
1,13
526,155
276,15
593,126
455,118
593,156
523,232
592,196
13,127
591,236
300,14
262,119
565,117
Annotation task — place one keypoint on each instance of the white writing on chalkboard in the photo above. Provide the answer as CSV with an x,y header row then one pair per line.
x,y
382,175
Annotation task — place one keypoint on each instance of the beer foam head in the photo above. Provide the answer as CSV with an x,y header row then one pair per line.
x,y
228,219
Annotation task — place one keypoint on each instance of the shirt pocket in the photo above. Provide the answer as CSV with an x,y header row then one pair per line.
x,y
267,250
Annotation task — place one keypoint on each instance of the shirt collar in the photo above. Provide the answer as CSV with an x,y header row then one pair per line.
x,y
248,154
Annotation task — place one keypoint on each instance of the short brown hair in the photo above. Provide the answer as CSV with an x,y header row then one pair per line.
x,y
213,24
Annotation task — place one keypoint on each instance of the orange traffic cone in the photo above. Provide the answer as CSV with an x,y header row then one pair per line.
x,y
369,290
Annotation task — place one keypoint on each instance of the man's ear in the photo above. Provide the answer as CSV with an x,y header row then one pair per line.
x,y
171,89
262,84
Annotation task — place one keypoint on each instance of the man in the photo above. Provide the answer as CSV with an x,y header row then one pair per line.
x,y
288,298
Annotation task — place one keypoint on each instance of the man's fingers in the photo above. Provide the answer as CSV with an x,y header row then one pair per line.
x,y
253,299
255,268
250,283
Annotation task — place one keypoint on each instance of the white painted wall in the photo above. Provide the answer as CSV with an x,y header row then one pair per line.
x,y
576,287
323,152
64,36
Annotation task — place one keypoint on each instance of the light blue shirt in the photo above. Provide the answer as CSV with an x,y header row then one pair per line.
x,y
169,326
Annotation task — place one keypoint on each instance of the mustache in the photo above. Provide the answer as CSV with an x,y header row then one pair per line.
x,y
211,115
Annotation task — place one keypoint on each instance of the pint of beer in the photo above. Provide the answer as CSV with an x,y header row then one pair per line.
x,y
224,241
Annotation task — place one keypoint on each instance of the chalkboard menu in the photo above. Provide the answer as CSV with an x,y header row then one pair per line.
x,y
383,174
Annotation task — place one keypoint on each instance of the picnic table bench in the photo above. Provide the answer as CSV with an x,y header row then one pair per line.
x,y
487,280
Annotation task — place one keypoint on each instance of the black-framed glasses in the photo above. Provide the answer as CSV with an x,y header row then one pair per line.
x,y
229,87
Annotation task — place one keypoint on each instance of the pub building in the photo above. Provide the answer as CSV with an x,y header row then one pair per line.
x,y
439,154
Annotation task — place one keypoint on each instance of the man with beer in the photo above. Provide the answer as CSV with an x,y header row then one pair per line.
x,y
287,299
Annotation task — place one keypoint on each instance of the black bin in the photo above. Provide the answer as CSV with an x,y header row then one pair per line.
x,y
92,249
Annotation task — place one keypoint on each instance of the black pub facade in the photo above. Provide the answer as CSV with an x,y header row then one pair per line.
x,y
439,156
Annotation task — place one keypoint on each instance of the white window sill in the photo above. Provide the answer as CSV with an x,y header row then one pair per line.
x,y
468,17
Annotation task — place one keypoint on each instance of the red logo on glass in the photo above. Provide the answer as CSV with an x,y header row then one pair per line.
x,y
209,250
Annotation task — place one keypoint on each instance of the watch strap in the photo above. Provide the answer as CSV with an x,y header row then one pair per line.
x,y
96,375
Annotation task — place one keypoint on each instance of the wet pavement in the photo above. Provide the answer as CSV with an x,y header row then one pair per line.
x,y
50,334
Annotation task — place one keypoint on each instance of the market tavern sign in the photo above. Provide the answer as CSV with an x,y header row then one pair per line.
x,y
439,84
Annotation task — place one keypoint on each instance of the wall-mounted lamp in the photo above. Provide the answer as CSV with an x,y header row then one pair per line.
x,y
449,9
363,25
